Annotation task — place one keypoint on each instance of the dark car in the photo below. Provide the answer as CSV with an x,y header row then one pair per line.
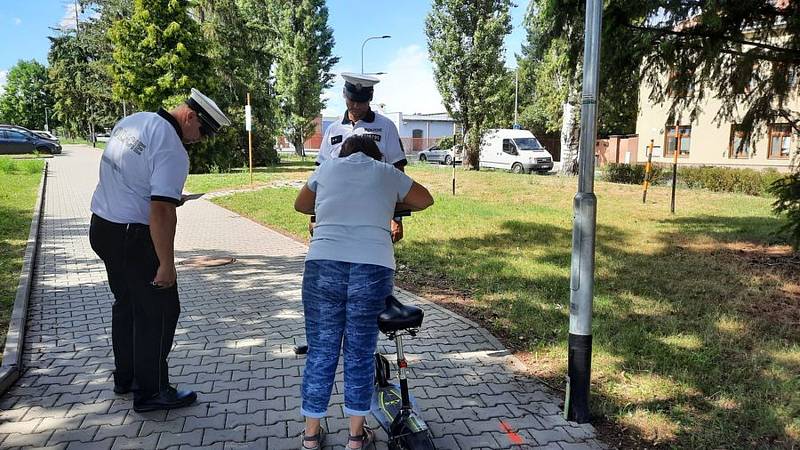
x,y
15,139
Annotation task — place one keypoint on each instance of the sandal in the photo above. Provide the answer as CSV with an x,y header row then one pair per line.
x,y
319,438
367,439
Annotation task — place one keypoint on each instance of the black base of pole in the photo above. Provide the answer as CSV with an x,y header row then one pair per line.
x,y
579,372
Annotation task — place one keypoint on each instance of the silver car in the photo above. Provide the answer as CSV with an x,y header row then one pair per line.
x,y
436,154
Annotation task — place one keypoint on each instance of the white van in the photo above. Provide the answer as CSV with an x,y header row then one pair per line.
x,y
515,150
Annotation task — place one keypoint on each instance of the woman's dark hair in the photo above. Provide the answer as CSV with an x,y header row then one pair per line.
x,y
365,145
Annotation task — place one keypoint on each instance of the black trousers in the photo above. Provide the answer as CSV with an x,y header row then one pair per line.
x,y
143,317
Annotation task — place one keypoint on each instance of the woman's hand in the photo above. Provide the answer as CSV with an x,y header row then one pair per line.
x,y
397,230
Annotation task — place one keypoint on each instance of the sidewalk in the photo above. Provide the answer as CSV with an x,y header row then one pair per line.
x,y
234,346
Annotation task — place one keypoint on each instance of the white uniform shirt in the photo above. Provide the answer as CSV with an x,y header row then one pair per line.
x,y
373,125
144,160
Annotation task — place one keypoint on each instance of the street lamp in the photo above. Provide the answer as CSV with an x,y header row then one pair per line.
x,y
385,36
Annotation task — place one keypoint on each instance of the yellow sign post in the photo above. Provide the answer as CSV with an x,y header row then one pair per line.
x,y
647,168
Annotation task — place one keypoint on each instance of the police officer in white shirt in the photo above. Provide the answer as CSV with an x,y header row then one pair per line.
x,y
142,172
359,119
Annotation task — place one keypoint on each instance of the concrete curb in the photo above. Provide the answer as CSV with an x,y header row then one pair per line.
x,y
11,368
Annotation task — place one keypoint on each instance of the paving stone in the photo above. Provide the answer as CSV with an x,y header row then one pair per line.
x,y
27,439
65,436
136,443
177,439
105,444
257,444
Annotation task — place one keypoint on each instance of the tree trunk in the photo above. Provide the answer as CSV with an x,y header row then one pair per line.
x,y
299,148
569,140
473,149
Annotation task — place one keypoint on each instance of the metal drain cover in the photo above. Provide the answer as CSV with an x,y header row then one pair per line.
x,y
207,261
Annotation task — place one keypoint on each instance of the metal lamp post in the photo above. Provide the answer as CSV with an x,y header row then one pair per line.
x,y
579,363
385,36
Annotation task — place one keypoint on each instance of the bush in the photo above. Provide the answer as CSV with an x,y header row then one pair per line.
x,y
787,191
718,179
726,179
631,173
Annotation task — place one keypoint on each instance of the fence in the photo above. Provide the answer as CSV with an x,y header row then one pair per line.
x,y
617,149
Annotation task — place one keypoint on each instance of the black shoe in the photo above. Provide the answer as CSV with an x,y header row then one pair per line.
x,y
168,398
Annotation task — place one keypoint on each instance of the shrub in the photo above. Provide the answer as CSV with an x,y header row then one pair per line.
x,y
719,179
631,173
726,179
787,191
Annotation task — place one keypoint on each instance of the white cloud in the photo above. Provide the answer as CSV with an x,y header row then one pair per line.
x,y
68,21
407,87
17,21
3,80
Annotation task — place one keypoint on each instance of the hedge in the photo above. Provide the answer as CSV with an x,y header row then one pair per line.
x,y
719,179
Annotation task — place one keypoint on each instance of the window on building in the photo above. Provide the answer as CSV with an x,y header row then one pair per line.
x,y
416,134
677,138
780,140
738,147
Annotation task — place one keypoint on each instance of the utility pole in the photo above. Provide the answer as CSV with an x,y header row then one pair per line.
x,y
516,95
76,17
579,362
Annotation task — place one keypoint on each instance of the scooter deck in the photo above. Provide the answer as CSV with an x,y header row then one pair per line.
x,y
386,402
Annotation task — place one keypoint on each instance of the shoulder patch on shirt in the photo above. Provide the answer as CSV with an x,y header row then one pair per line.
x,y
374,136
336,139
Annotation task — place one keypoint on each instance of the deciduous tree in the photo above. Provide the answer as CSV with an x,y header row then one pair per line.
x,y
465,43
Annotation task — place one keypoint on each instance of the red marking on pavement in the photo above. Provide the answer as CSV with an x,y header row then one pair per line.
x,y
515,438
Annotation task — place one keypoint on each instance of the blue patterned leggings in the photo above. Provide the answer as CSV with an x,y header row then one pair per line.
x,y
342,302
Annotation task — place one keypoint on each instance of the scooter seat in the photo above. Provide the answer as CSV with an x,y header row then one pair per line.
x,y
398,316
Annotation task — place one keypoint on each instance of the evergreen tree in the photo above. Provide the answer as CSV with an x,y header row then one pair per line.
x,y
303,50
26,96
158,54
465,43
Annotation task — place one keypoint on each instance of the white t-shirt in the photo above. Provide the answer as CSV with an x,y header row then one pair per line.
x,y
373,125
144,160
355,199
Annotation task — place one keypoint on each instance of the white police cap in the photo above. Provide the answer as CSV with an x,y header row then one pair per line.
x,y
208,111
359,87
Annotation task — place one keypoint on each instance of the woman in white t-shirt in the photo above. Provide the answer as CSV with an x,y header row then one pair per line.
x,y
349,272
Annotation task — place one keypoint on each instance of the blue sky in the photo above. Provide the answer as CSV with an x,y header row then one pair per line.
x,y
408,86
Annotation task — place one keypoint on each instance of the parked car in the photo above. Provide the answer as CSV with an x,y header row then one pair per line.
x,y
14,139
46,135
440,155
516,150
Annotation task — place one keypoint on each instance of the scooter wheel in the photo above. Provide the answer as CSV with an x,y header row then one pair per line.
x,y
382,371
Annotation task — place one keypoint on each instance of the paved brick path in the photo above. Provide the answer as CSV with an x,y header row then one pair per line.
x,y
234,346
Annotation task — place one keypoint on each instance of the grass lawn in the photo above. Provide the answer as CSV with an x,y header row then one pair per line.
x,y
290,168
696,315
19,183
99,145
